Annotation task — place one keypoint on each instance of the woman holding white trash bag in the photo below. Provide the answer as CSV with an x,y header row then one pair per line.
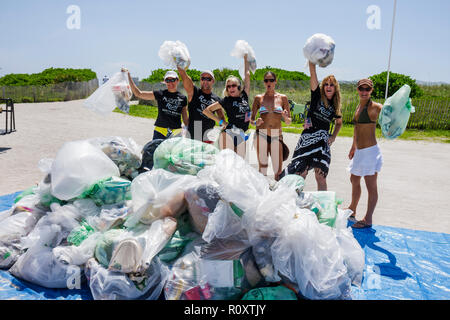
x,y
313,147
172,105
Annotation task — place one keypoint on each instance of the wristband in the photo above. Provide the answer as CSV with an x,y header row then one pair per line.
x,y
220,122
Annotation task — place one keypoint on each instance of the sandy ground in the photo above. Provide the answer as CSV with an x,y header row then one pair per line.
x,y
414,184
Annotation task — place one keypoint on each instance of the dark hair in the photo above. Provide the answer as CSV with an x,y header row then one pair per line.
x,y
271,74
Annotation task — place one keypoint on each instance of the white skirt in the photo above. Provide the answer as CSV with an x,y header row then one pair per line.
x,y
366,162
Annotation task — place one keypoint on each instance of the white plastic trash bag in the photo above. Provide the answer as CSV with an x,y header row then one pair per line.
x,y
175,54
319,49
394,115
78,165
116,92
242,48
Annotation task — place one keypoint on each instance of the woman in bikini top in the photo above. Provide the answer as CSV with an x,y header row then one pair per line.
x,y
273,107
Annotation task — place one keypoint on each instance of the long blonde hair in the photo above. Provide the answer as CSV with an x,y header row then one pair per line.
x,y
336,97
234,79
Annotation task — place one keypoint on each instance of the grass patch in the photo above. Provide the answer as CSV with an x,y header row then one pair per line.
x,y
442,136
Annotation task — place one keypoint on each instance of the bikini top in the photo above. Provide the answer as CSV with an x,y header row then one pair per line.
x,y
263,110
364,115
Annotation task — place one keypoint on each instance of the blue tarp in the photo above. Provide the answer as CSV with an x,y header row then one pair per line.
x,y
400,264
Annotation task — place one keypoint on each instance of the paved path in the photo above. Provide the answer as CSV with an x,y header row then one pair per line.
x,y
414,184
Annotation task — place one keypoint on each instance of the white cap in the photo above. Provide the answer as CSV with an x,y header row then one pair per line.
x,y
208,72
170,74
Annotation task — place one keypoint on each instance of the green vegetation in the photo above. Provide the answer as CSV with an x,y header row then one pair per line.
x,y
222,74
48,76
396,81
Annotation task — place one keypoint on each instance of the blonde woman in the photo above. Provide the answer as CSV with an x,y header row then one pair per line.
x,y
235,103
273,107
313,147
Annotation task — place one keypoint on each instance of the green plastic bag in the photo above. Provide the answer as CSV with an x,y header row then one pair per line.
x,y
270,293
180,239
79,234
394,115
184,156
26,192
105,246
327,212
109,191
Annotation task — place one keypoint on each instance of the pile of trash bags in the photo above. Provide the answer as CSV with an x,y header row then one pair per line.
x,y
201,224
319,49
394,115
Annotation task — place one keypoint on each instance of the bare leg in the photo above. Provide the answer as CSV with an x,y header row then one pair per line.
x,y
276,153
371,184
262,153
321,180
226,142
241,149
356,193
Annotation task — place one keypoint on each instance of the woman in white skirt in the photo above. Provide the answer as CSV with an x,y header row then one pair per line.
x,y
365,155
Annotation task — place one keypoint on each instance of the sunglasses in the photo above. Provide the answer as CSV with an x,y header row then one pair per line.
x,y
206,79
168,80
231,86
367,89
269,80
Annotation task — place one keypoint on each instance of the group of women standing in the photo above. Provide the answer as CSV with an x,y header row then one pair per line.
x,y
202,109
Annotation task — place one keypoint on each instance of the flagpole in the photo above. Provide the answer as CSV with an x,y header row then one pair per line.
x,y
390,50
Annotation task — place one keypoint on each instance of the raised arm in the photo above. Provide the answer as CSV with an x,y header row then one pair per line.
x,y
144,95
188,84
313,82
246,76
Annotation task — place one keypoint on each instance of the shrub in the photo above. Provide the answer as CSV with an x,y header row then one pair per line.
x,y
396,81
48,76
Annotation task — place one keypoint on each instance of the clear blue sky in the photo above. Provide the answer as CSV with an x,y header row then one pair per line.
x,y
114,33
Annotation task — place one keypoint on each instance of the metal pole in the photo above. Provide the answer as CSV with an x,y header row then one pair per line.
x,y
390,51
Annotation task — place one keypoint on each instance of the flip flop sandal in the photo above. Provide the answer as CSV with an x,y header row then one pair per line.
x,y
352,218
361,225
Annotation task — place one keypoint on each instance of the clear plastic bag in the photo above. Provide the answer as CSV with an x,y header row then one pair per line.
x,y
131,251
116,92
394,115
40,266
12,229
319,49
242,48
201,200
294,181
124,152
308,254
183,155
77,166
194,278
158,193
232,175
175,54
110,285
